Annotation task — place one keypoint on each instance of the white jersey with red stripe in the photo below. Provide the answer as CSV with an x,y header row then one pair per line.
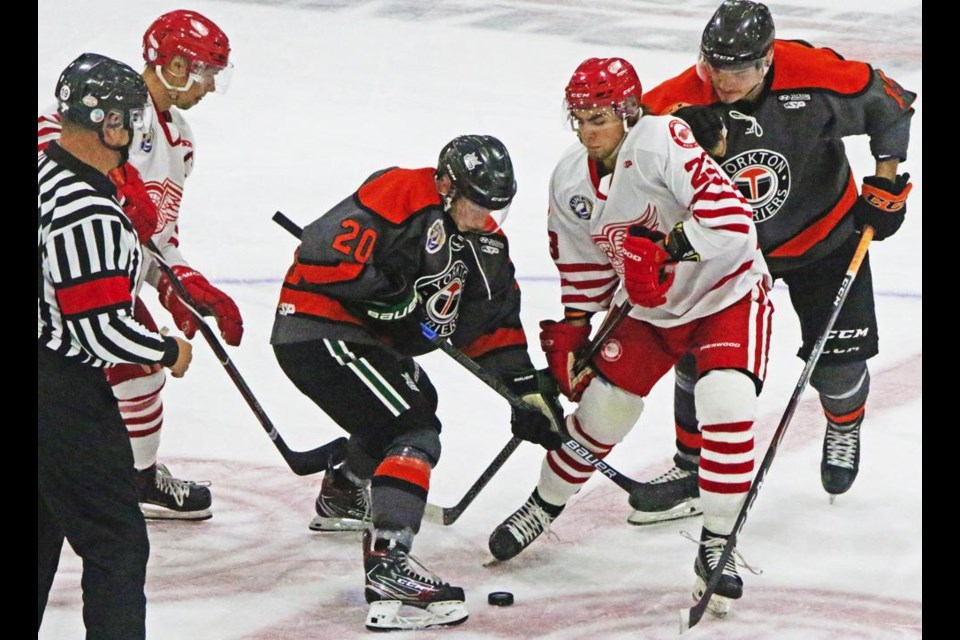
x,y
662,177
164,157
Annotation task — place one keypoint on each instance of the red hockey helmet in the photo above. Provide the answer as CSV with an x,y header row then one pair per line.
x,y
605,82
193,36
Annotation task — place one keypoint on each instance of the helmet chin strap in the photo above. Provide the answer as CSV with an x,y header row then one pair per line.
x,y
159,70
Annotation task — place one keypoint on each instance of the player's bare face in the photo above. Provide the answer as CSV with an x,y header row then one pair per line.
x,y
733,85
600,131
201,86
469,217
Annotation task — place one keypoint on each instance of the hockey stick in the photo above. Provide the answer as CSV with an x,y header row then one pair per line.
x,y
582,453
302,463
690,617
434,513
606,328
449,515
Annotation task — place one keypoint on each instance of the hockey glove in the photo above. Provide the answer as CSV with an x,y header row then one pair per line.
x,y
208,301
644,275
560,342
393,318
541,421
707,127
396,305
882,204
137,203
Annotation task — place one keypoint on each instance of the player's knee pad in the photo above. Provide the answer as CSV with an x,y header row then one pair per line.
x,y
606,413
420,443
725,396
849,380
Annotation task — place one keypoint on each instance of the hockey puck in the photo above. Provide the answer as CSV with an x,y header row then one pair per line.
x,y
500,598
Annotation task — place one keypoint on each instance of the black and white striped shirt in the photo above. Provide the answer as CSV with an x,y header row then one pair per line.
x,y
88,263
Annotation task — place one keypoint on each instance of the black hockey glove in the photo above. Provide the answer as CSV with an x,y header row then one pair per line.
x,y
393,306
707,127
542,422
393,318
882,204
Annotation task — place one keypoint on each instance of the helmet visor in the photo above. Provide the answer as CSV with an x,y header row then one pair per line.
x,y
707,67
472,217
217,79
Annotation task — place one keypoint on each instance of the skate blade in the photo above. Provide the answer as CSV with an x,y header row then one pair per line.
x,y
320,523
683,510
491,561
718,606
385,616
155,512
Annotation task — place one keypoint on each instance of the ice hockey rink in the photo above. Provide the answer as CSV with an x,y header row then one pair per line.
x,y
324,92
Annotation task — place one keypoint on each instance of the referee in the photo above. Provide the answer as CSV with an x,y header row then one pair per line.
x,y
88,264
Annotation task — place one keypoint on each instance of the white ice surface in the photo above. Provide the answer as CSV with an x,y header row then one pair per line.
x,y
327,91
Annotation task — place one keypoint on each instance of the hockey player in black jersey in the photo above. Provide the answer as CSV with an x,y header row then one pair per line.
x,y
409,248
776,113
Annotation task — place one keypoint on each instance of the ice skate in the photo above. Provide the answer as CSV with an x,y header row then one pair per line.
x,y
402,594
841,459
342,504
163,497
673,495
524,526
730,586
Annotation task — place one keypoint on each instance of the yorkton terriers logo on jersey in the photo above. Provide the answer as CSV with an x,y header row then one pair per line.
x,y
441,296
763,177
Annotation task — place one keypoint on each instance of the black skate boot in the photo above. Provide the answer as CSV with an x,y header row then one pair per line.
x,y
524,526
671,496
395,579
163,497
841,458
730,586
343,503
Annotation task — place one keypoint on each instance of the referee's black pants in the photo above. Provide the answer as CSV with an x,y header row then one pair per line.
x,y
86,493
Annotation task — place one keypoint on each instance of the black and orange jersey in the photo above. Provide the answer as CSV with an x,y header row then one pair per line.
x,y
393,229
785,150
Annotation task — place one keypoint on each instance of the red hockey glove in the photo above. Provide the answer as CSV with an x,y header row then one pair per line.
x,y
560,341
208,300
644,275
137,203
882,204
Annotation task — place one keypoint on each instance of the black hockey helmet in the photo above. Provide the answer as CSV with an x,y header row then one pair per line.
x,y
480,169
739,34
93,86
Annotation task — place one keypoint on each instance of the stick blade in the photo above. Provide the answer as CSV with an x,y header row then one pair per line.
x,y
433,513
306,463
690,617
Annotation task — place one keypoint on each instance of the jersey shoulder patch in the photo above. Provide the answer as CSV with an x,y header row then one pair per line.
x,y
397,194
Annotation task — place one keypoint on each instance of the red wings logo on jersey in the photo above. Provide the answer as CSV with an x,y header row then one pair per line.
x,y
610,238
681,134
167,196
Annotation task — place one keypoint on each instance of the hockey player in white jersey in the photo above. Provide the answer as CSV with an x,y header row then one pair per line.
x,y
641,215
187,57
